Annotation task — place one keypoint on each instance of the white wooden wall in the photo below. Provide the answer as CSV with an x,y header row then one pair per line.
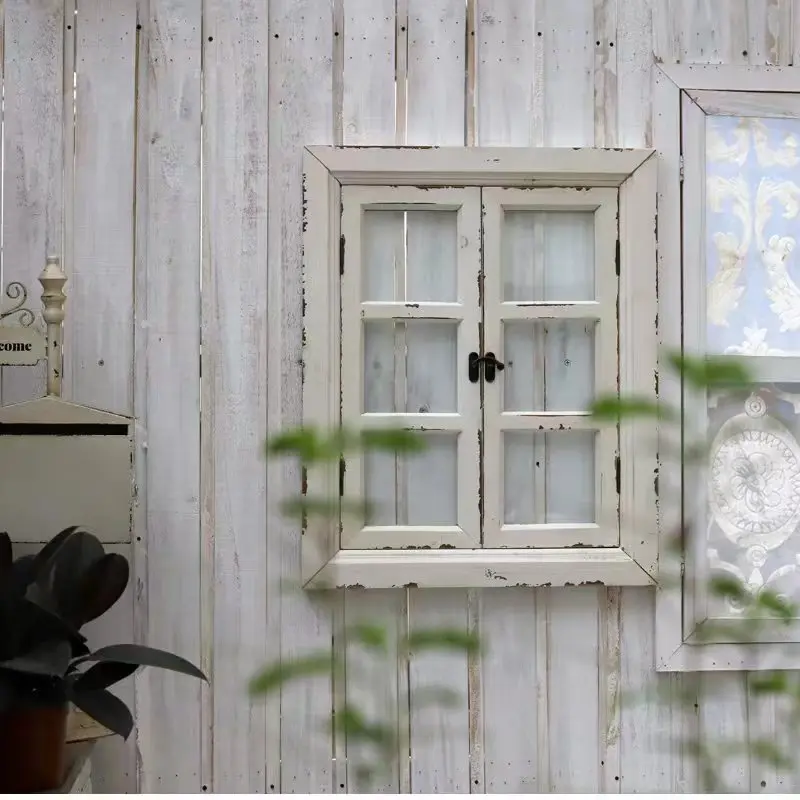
x,y
144,201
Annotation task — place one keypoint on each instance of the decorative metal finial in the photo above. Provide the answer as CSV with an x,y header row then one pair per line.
x,y
53,299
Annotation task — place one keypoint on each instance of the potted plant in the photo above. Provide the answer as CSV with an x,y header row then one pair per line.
x,y
45,663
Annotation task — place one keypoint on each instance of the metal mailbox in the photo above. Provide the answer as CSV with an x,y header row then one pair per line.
x,y
60,463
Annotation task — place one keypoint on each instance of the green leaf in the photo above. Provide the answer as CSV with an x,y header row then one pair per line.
x,y
770,753
308,445
370,635
613,409
303,507
436,696
397,440
351,722
443,639
772,683
776,605
726,586
277,675
709,371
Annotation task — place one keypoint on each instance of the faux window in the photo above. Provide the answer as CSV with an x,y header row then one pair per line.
x,y
482,298
728,225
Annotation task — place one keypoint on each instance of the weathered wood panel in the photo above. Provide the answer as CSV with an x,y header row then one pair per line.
x,y
557,702
234,416
99,260
301,110
168,545
33,136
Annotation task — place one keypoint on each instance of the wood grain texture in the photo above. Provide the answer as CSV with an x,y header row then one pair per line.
x,y
301,111
371,66
234,379
436,108
99,348
167,398
33,131
574,659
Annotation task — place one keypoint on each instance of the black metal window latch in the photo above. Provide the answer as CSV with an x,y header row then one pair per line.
x,y
490,365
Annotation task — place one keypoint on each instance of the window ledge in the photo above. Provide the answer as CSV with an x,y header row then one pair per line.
x,y
383,569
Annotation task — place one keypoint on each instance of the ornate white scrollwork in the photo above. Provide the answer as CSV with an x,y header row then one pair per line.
x,y
754,479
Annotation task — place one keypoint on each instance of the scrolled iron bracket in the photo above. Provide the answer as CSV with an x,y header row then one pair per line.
x,y
23,342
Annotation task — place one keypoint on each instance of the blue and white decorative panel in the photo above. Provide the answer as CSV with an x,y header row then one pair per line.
x,y
753,226
753,309
754,490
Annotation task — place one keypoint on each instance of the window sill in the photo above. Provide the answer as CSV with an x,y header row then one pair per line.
x,y
381,569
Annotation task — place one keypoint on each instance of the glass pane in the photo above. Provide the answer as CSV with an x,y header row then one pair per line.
x,y
754,491
752,226
548,256
549,365
410,256
432,256
549,477
410,367
419,489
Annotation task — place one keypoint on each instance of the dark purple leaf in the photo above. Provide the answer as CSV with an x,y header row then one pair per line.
x,y
103,675
70,564
45,555
144,656
101,586
49,658
105,708
6,558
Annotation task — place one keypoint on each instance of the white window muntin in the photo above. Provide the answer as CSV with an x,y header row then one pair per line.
x,y
463,312
499,310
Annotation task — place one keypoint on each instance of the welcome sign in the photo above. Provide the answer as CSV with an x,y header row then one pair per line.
x,y
21,346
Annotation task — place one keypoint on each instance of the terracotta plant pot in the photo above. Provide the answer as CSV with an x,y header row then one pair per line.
x,y
33,748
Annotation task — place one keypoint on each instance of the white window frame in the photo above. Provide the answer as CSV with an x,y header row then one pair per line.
x,y
633,560
683,95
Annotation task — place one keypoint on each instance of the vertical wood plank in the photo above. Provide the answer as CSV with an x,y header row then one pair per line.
x,y
98,353
234,377
510,112
436,72
167,391
574,676
634,81
510,74
652,754
369,70
569,59
768,717
300,111
436,108
33,121
99,340
724,727
573,680
439,736
512,685
368,91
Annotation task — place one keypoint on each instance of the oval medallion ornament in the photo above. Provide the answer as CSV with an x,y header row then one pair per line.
x,y
754,479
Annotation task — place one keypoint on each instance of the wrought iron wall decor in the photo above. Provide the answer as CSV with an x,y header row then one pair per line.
x,y
26,338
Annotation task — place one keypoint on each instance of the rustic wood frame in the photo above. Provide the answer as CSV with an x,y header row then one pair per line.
x,y
326,169
683,94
